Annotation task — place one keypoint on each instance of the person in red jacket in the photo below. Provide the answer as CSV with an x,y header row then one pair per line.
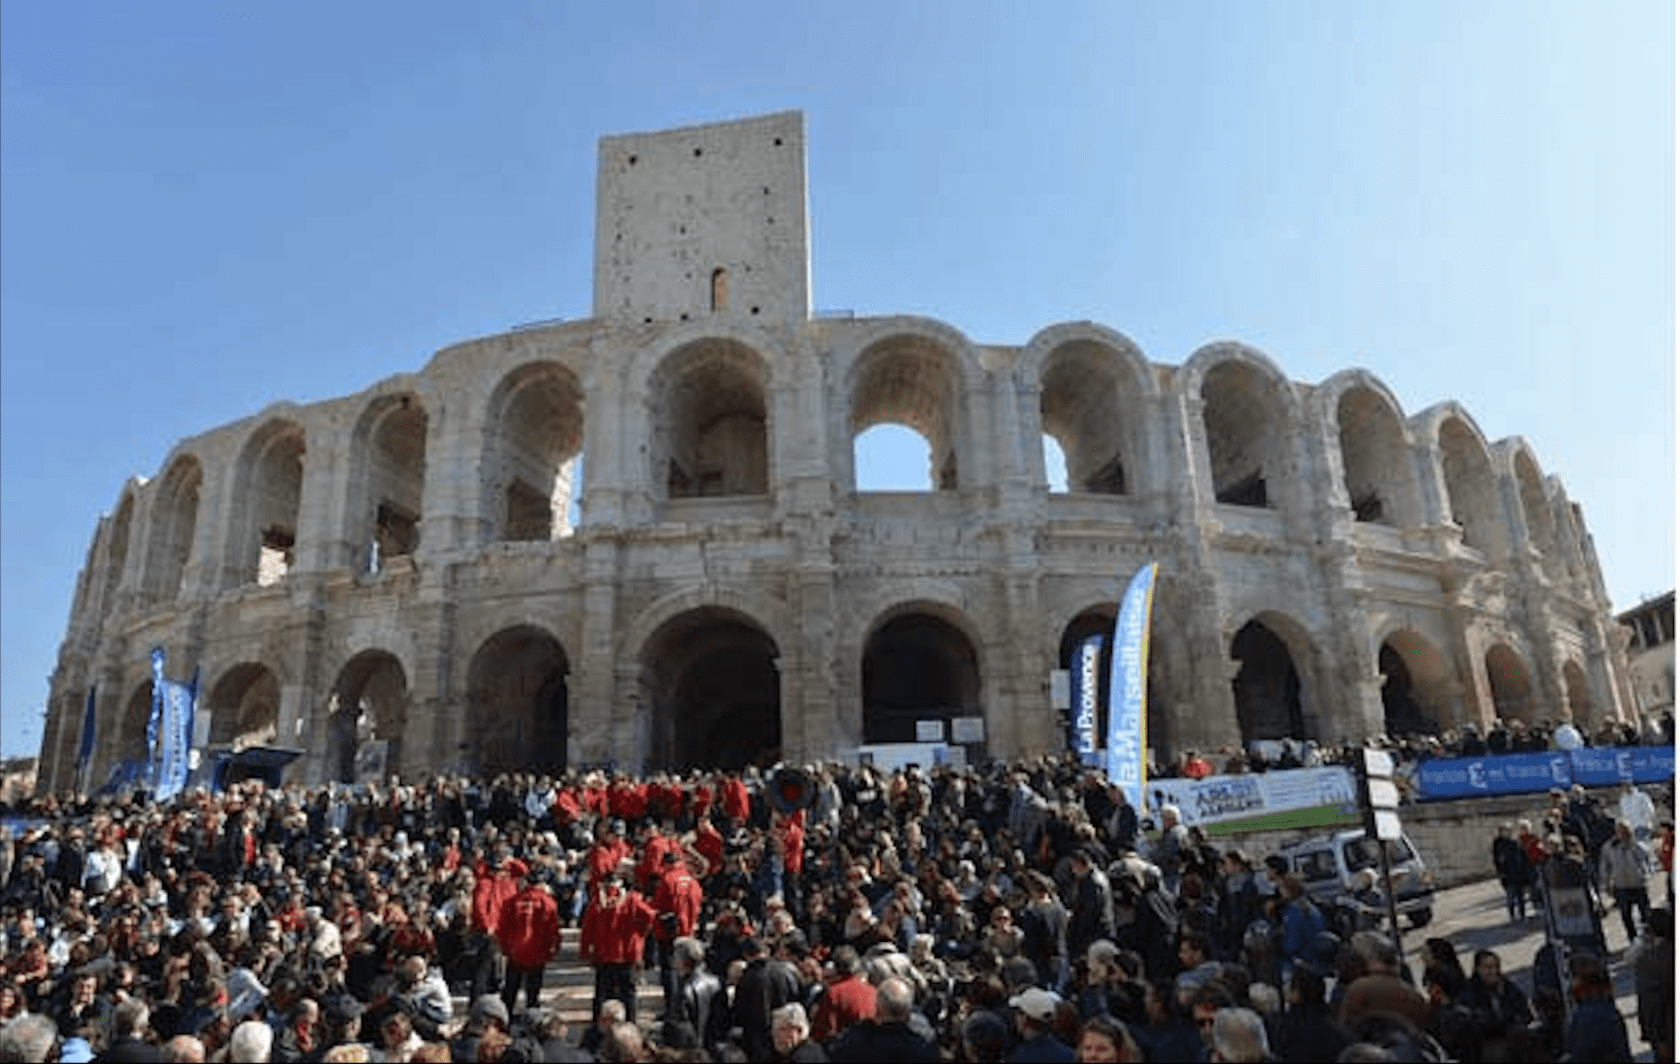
x,y
655,845
789,847
733,797
676,906
604,857
615,927
528,930
493,887
848,999
708,843
627,799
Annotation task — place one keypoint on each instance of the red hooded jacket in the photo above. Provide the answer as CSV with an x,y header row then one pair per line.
x,y
613,933
528,928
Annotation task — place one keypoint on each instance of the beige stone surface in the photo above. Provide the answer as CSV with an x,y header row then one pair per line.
x,y
404,564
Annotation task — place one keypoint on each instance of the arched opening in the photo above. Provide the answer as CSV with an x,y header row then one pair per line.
x,y
245,707
1581,706
271,476
1246,431
720,290
1402,714
128,753
174,518
394,480
1508,684
116,557
532,465
917,667
711,421
1420,690
1470,487
1267,687
367,715
1085,405
1055,464
914,383
891,458
714,691
517,710
1537,514
1375,461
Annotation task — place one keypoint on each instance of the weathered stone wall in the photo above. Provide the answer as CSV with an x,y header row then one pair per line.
x,y
403,564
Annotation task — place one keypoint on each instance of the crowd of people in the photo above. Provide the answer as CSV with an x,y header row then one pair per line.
x,y
1000,912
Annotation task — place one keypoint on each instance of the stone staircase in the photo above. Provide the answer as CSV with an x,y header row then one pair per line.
x,y
569,988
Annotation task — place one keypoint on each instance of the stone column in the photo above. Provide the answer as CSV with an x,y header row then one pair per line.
x,y
1021,722
602,688
321,540
809,724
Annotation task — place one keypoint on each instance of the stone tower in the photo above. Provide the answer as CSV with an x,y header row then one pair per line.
x,y
704,220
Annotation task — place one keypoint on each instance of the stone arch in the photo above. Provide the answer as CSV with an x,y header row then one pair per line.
x,y
711,691
1269,686
387,481
129,742
268,482
174,523
1467,472
1249,413
1098,619
1375,447
1094,391
1536,506
1582,708
1417,684
1563,526
709,412
116,553
1509,684
914,375
533,436
518,703
244,706
369,702
920,661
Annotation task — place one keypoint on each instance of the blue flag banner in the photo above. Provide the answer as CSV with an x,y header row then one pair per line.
x,y
1469,777
1605,766
1590,766
169,733
1085,676
85,751
154,722
1128,688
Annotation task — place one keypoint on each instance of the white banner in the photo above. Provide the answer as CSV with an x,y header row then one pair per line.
x,y
1260,794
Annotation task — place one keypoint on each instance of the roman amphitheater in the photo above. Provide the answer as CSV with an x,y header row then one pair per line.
x,y
638,539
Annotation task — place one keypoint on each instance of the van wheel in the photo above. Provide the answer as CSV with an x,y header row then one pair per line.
x,y
1421,918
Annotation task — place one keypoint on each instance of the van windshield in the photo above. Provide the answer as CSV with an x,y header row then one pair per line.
x,y
1362,853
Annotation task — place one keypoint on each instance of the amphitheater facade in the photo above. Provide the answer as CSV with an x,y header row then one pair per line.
x,y
637,539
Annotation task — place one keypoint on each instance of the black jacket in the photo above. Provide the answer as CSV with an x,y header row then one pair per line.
x,y
870,1041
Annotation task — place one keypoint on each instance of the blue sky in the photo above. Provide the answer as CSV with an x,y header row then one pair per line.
x,y
205,209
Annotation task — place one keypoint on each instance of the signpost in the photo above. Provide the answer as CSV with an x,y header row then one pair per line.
x,y
1379,798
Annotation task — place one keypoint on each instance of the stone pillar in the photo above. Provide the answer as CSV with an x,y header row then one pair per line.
x,y
321,541
601,689
809,724
1020,721
602,504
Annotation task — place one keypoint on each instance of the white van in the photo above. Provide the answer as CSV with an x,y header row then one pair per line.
x,y
1327,865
